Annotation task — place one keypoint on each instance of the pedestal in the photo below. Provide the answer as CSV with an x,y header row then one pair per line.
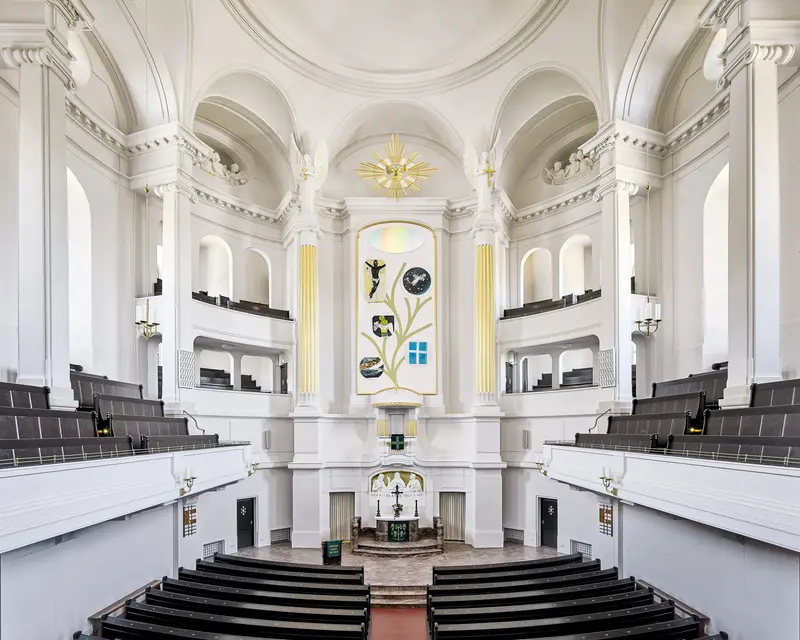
x,y
402,529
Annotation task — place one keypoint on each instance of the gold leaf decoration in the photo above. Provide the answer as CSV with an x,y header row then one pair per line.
x,y
395,172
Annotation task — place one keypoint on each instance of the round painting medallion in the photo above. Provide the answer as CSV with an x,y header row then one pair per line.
x,y
417,281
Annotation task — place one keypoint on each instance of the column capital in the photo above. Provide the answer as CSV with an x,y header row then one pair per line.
x,y
778,54
43,55
175,186
613,186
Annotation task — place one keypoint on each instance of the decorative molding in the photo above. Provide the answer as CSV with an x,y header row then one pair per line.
x,y
186,369
110,137
618,132
43,55
176,186
715,14
606,368
613,186
693,127
219,201
559,204
778,54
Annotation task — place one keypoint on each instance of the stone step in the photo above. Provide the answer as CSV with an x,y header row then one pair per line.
x,y
398,597
397,553
374,544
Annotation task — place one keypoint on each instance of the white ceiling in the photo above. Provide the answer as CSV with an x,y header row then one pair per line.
x,y
411,37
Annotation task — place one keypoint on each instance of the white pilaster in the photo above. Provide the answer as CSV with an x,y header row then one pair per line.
x,y
754,50
615,332
178,197
38,48
236,373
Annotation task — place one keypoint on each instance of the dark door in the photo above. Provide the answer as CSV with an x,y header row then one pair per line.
x,y
285,378
509,377
245,523
549,528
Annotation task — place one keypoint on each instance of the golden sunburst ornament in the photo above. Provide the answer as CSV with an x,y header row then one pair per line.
x,y
395,172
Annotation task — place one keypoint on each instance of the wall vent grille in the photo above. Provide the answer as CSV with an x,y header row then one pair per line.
x,y
584,548
277,536
213,547
515,536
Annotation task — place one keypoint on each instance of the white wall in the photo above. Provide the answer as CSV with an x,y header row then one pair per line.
x,y
576,359
749,589
261,368
215,267
256,287
8,237
79,230
47,590
537,276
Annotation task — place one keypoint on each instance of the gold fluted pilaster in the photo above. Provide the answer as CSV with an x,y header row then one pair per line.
x,y
307,320
484,320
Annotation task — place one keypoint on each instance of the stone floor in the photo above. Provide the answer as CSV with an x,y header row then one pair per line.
x,y
405,571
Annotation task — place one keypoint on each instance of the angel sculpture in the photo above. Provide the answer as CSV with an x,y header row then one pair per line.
x,y
309,175
482,170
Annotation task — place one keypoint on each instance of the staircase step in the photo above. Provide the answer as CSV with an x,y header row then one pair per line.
x,y
398,553
399,597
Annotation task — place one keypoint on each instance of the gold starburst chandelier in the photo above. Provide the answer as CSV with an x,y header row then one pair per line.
x,y
394,171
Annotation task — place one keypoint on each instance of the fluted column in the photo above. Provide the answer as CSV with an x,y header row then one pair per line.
x,y
307,319
43,59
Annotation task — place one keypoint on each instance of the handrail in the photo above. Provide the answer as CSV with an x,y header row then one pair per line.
x,y
598,419
197,426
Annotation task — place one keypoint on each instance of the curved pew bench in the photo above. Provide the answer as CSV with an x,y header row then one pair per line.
x,y
500,566
263,584
773,394
713,383
662,425
160,444
23,396
778,451
26,451
257,563
694,403
138,426
520,573
85,386
278,574
781,421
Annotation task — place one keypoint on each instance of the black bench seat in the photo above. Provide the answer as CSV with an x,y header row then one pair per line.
x,y
538,610
773,394
643,443
519,574
161,444
258,563
277,574
776,451
499,566
528,597
106,405
780,421
138,426
24,396
679,629
256,611
548,627
236,625
26,451
122,629
316,600
694,403
713,383
662,425
45,423
86,385
263,584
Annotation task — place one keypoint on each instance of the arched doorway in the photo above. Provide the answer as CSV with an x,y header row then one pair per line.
x,y
715,271
79,234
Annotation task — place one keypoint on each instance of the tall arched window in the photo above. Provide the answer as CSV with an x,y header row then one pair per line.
x,y
259,277
536,276
575,265
715,271
79,234
216,267
257,370
576,367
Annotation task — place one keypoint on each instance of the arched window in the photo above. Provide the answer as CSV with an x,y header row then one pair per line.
x,y
536,372
715,271
536,276
575,265
576,368
257,371
216,267
79,235
258,277
215,369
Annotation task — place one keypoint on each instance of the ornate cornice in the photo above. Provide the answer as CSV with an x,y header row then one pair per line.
x,y
43,55
615,186
694,127
568,201
219,201
110,137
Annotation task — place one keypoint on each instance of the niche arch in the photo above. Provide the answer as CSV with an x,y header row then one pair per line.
x,y
536,276
215,266
715,271
79,235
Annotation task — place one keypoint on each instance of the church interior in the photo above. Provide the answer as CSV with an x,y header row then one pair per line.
x,y
433,320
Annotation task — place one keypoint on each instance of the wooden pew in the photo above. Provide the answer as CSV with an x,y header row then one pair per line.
x,y
157,444
624,442
560,626
774,394
712,382
540,610
26,451
258,563
662,425
106,406
296,613
138,426
23,396
315,600
694,403
278,574
235,625
780,421
86,385
777,451
504,575
529,597
45,423
271,584
499,566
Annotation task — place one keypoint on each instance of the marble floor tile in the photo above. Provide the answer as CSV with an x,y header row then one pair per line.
x,y
404,571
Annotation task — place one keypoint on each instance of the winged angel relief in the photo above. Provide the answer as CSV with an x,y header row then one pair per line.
x,y
403,330
482,171
309,174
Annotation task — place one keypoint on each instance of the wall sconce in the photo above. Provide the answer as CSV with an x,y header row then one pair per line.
x,y
253,469
540,468
607,484
188,483
649,318
146,328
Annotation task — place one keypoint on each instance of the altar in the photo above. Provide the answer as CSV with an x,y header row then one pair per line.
x,y
400,529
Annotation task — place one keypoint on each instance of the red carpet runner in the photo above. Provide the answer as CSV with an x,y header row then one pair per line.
x,y
398,624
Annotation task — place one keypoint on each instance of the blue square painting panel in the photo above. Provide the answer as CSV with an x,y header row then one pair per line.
x,y
417,353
